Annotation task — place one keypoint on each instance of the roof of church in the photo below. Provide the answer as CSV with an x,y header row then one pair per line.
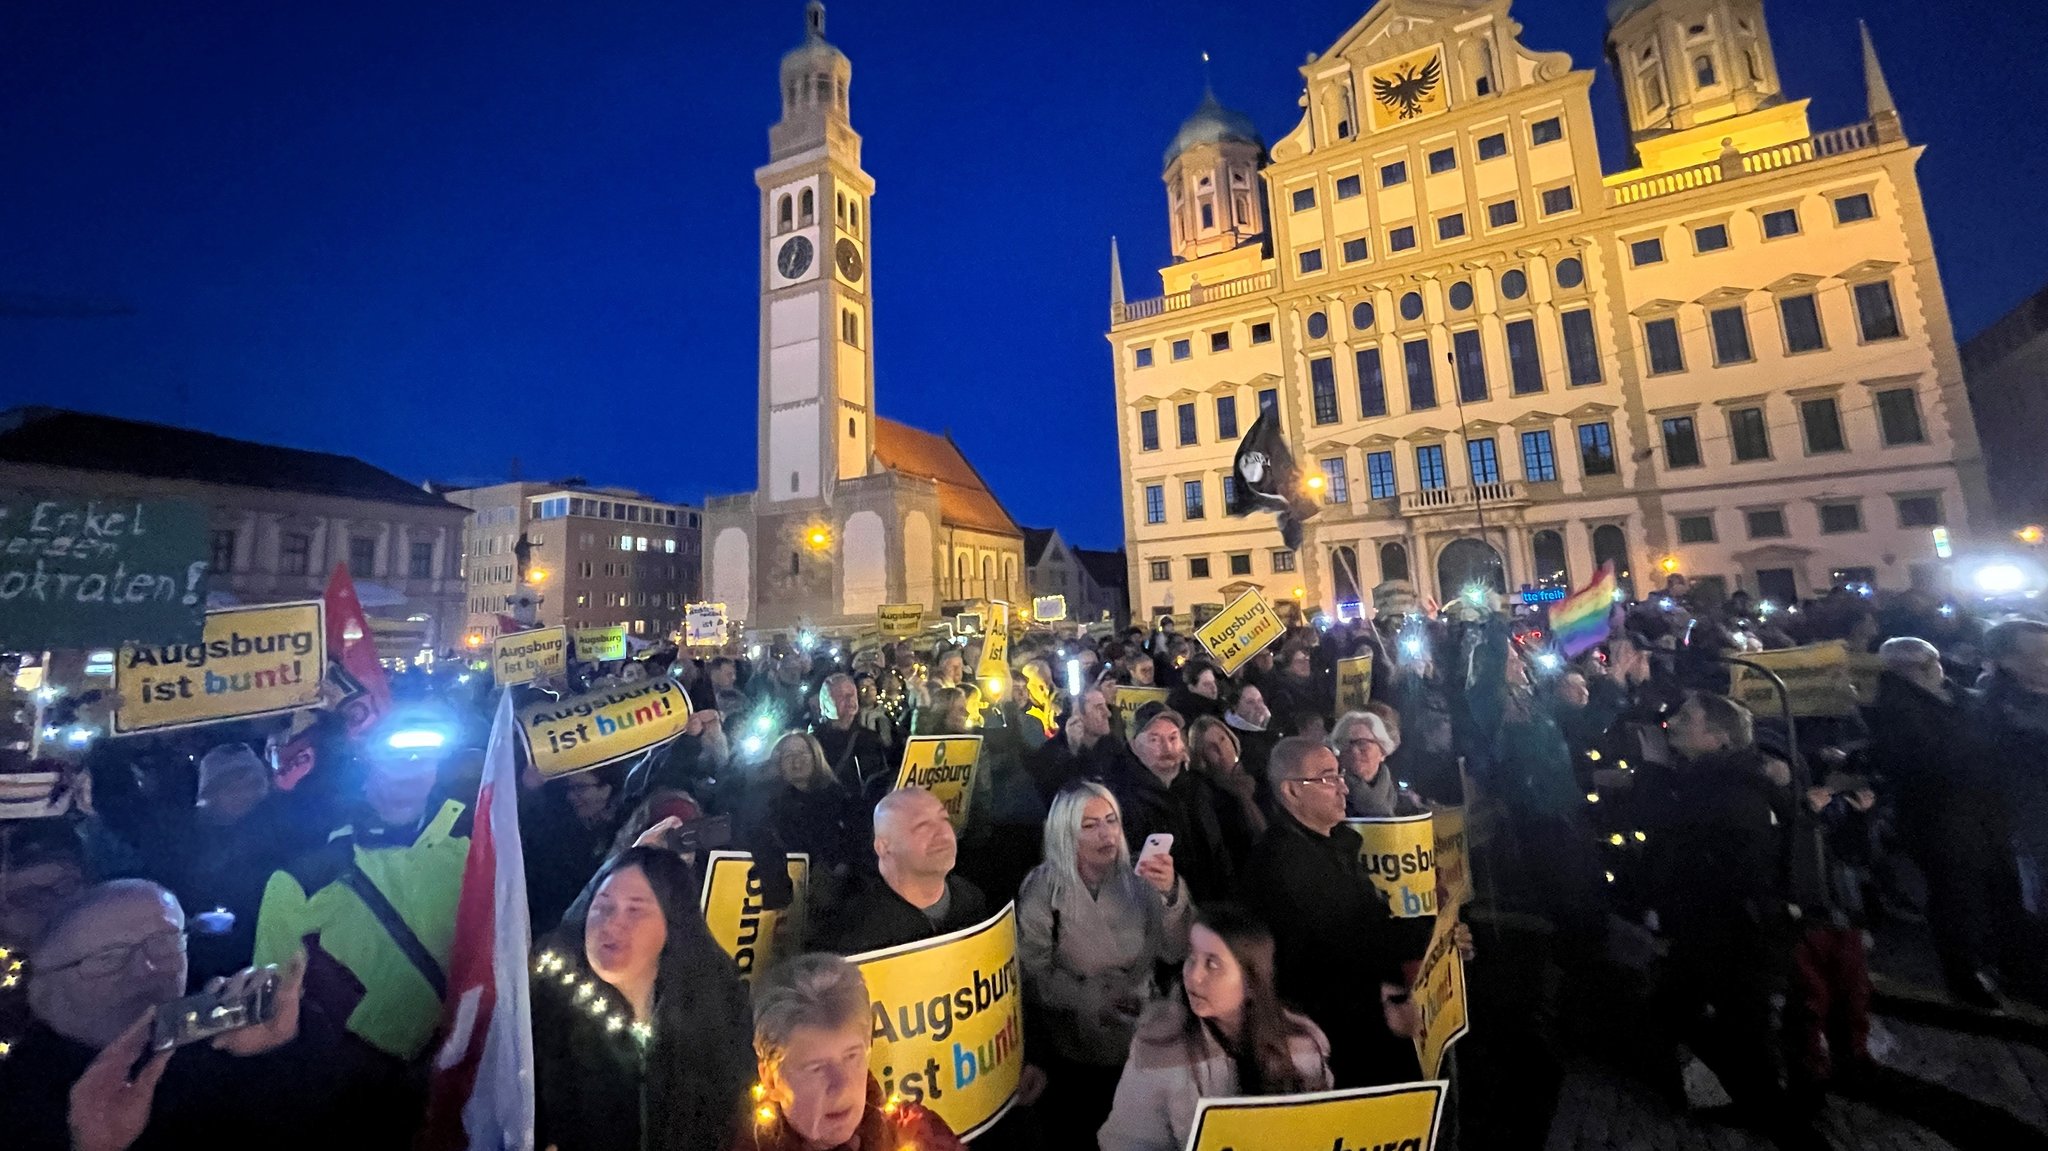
x,y
964,498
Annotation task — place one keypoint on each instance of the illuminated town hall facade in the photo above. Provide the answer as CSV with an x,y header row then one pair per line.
x,y
1496,362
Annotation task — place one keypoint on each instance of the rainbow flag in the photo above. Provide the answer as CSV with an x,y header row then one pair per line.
x,y
1583,621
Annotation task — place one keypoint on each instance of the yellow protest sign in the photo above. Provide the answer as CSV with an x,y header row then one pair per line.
x,y
1816,676
580,732
598,644
1864,668
944,766
1453,864
1404,1117
949,1022
1440,997
1129,699
1400,859
1354,682
993,673
1049,608
900,620
753,935
249,661
525,656
1239,632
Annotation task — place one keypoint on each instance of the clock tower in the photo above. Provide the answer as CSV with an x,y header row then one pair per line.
x,y
817,392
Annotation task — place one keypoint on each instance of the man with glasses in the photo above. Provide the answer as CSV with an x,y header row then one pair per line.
x,y
1335,942
111,957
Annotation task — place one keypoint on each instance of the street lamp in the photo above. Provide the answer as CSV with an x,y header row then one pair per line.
x,y
537,576
819,538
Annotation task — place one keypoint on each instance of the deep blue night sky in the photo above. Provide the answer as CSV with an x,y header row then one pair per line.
x,y
442,236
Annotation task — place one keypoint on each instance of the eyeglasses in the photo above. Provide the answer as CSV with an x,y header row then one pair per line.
x,y
1362,741
162,948
1331,780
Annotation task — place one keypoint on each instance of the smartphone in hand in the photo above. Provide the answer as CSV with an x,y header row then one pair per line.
x,y
1157,843
197,1018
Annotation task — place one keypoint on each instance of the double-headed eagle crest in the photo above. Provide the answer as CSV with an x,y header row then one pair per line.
x,y
1404,91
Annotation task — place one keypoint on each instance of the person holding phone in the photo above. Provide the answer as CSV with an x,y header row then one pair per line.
x,y
1091,927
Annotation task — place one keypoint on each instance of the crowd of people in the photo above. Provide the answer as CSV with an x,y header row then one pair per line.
x,y
1663,877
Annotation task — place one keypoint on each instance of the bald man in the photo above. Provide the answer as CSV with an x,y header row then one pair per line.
x,y
913,893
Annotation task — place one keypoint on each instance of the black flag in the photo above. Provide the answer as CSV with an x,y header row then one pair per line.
x,y
1267,479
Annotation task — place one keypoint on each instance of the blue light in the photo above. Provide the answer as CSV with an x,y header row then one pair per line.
x,y
415,739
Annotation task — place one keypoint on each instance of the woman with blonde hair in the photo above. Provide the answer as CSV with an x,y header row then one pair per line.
x,y
1215,751
806,805
1091,927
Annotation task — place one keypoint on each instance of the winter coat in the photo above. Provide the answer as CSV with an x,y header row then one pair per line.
x,y
1920,748
885,1127
826,822
1163,1081
875,917
1056,764
1381,799
1192,809
2008,728
861,763
1714,852
1088,958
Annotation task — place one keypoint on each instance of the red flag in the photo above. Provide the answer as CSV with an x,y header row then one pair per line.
x,y
350,642
481,1092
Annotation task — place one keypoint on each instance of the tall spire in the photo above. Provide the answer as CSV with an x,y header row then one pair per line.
x,y
1884,111
1116,278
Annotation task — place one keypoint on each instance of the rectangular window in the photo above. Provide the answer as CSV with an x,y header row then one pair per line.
x,y
849,329
1421,375
1919,511
1667,354
1336,481
1148,430
1304,199
1780,224
1837,519
1557,201
1443,160
1596,449
1226,417
1394,175
1372,384
1710,238
1191,503
1283,561
1877,312
1546,131
1155,503
1731,335
1469,360
1450,227
1354,250
1696,529
1230,494
295,553
420,564
1823,423
1348,187
1748,434
1681,443
1269,401
1765,524
221,557
1322,381
1311,260
362,557
1581,348
1525,361
1262,333
1429,467
1401,239
1539,457
1801,315
1493,147
1241,564
1219,341
1483,456
1162,570
1850,209
1503,214
1898,417
1185,419
1643,252
1379,475
1198,567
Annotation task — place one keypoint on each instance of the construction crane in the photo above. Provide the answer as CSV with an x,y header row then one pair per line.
x,y
41,306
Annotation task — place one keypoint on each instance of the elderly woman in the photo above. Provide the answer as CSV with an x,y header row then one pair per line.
x,y
1363,743
1091,928
812,1029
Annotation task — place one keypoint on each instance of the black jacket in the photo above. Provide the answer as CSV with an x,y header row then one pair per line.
x,y
875,917
1715,853
1920,751
1055,764
1192,809
2008,728
864,767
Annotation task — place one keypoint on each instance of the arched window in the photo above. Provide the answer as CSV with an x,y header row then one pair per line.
x,y
839,208
1610,546
1484,86
1465,563
806,208
1344,576
960,568
1393,563
988,567
782,214
792,563
1703,71
1548,547
824,83
853,215
850,434
792,481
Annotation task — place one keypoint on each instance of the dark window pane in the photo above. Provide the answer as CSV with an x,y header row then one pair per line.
x,y
1749,435
1667,355
1596,449
1226,417
1581,350
1443,160
1546,131
1525,360
1785,223
1304,199
1712,238
1394,174
1850,209
1493,147
1185,414
1696,529
1322,377
1429,467
1470,361
1372,384
1484,458
1503,214
1766,524
1148,429
1823,423
1731,335
1347,187
1539,457
1877,311
1681,443
1802,324
1379,474
1919,511
1421,375
1898,415
1838,518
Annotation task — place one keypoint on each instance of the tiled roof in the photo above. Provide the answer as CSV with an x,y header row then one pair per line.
x,y
964,500
54,437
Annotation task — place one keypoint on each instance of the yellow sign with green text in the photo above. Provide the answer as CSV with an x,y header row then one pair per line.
x,y
1404,1117
900,620
1127,702
525,656
1242,630
581,732
598,644
249,661
1400,859
944,766
1441,1017
752,934
949,1022
1817,677
1354,682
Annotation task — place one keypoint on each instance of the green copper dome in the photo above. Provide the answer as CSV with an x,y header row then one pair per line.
x,y
1212,123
